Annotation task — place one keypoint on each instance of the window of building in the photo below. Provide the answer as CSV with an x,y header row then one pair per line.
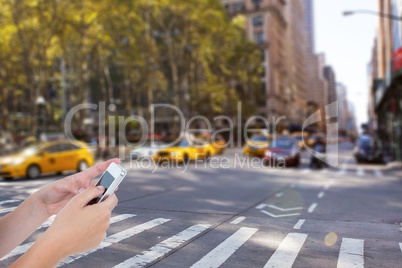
x,y
238,7
261,96
259,37
258,20
257,4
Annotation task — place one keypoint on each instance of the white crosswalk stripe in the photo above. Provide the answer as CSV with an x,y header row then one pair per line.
x,y
351,253
360,172
164,247
351,250
24,247
222,252
286,254
8,201
6,210
116,238
378,173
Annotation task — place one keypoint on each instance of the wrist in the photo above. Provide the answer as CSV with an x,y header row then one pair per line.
x,y
39,206
46,252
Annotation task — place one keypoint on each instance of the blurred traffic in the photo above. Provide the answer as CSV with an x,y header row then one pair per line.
x,y
44,158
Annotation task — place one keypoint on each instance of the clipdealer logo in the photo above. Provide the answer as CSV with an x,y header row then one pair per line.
x,y
330,155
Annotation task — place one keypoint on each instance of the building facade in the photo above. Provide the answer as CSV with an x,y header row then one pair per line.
x,y
343,112
309,24
296,55
293,72
329,75
317,93
387,86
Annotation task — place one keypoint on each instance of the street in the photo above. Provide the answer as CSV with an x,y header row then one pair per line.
x,y
241,215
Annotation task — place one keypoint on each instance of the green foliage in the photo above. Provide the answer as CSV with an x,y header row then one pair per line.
x,y
187,53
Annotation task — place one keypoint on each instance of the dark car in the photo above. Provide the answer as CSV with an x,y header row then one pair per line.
x,y
368,149
282,150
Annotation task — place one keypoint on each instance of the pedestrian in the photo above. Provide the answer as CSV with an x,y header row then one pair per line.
x,y
77,228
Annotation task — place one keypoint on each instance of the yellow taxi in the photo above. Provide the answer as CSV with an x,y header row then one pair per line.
x,y
185,151
256,146
218,143
49,157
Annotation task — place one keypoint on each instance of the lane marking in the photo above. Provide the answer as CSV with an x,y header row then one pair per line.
x,y
161,249
321,194
323,171
312,208
280,194
238,220
351,253
378,173
261,206
279,216
360,172
285,255
116,238
299,224
343,169
327,186
222,252
8,201
400,245
6,210
24,247
284,209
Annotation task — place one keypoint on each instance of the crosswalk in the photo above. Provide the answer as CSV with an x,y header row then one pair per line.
x,y
285,255
341,172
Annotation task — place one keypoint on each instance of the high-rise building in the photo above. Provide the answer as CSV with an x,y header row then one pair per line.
x,y
309,24
343,112
296,54
266,25
329,75
317,93
373,82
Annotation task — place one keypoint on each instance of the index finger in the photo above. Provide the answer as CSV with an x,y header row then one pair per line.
x,y
110,202
85,176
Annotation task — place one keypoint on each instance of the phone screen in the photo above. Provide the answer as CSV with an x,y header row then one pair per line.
x,y
106,180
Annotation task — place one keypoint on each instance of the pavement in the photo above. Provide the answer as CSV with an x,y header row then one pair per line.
x,y
241,214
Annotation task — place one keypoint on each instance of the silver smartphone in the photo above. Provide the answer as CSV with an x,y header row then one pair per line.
x,y
110,179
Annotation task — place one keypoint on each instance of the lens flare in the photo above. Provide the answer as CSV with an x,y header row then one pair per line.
x,y
331,239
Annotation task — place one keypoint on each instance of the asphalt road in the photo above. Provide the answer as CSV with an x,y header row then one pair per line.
x,y
236,213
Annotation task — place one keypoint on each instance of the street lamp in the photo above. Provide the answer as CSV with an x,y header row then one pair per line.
x,y
370,12
40,103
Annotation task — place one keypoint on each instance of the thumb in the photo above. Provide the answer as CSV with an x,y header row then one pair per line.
x,y
88,194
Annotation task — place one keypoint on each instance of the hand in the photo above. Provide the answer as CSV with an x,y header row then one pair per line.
x,y
54,196
77,228
80,227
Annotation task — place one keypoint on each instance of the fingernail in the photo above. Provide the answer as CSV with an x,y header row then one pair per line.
x,y
81,190
100,187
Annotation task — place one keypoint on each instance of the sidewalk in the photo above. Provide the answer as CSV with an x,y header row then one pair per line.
x,y
395,167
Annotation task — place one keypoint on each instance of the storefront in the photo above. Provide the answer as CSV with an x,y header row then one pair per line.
x,y
389,109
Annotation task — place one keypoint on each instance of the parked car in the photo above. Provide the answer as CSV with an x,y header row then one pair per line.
x,y
283,149
49,157
185,151
256,146
148,150
368,149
